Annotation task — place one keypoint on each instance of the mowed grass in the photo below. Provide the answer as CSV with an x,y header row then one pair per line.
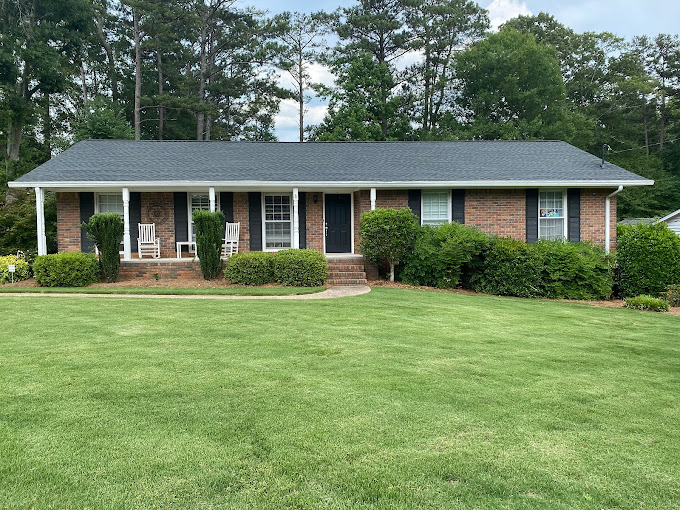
x,y
167,291
394,399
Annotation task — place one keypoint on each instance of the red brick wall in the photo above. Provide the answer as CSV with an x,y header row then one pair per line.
x,y
362,203
314,221
159,271
500,212
159,208
241,215
68,222
592,216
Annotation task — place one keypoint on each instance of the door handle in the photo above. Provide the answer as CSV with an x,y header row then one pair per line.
x,y
326,229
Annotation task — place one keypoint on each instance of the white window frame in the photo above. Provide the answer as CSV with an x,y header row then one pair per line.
x,y
98,210
564,219
264,220
190,231
449,205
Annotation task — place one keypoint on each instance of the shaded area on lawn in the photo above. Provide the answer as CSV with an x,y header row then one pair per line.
x,y
393,399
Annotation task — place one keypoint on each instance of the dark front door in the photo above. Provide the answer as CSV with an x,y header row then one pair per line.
x,y
339,223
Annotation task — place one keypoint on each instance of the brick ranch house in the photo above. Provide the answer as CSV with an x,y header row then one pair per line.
x,y
312,195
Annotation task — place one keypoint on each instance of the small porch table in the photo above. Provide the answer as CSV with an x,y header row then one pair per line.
x,y
189,244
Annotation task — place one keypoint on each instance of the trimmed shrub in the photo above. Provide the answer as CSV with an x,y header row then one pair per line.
x,y
441,252
21,269
254,268
300,268
106,231
66,270
511,268
387,235
574,271
648,258
672,295
209,233
646,302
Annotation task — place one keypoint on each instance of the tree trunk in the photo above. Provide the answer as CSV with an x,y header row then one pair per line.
x,y
83,83
47,124
138,77
161,109
109,57
391,272
301,95
200,116
662,119
644,123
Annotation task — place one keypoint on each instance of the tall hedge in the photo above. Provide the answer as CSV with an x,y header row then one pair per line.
x,y
106,231
387,235
648,259
442,252
209,238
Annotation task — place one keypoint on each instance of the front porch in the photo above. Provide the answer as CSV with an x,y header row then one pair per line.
x,y
342,269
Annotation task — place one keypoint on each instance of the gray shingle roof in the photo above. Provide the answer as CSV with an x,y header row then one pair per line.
x,y
127,161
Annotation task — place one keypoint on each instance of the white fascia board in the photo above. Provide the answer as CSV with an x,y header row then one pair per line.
x,y
320,185
670,216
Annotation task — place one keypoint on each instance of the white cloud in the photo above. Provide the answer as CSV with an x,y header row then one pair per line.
x,y
501,11
286,121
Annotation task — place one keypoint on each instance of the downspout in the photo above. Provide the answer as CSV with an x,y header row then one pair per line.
x,y
607,214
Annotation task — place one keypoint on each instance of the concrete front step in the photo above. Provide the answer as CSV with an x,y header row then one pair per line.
x,y
361,281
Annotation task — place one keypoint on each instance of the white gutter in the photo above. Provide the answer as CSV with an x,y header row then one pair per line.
x,y
322,185
607,214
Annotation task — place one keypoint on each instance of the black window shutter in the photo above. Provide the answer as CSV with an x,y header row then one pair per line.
x,y
414,201
302,214
532,215
255,215
86,210
181,217
135,219
227,205
458,205
574,212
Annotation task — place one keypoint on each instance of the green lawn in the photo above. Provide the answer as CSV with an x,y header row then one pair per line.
x,y
393,399
166,291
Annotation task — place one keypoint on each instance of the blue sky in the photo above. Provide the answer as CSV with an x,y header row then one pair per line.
x,y
626,18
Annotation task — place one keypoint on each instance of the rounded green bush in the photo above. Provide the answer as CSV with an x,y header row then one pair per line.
x,y
254,268
66,270
574,271
22,270
511,268
648,258
442,252
300,268
646,302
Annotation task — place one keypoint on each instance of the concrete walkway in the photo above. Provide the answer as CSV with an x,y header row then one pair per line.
x,y
332,292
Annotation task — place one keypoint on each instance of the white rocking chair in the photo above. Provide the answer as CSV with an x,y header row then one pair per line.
x,y
231,233
147,242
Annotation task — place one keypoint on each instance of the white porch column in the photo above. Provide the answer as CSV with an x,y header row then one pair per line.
x,y
211,195
296,219
40,220
373,195
127,245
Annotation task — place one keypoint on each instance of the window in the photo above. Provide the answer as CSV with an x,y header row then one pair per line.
x,y
552,215
198,202
436,207
277,222
110,204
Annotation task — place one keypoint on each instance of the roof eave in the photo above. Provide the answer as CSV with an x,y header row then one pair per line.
x,y
249,185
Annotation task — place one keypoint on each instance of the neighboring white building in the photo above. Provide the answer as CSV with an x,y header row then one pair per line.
x,y
673,221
